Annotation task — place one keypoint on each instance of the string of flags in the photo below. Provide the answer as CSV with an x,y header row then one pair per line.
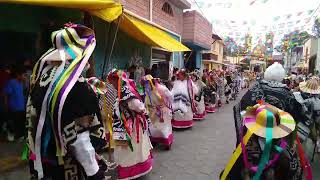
x,y
280,22
257,1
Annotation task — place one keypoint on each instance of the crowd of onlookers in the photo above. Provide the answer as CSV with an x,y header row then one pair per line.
x,y
14,86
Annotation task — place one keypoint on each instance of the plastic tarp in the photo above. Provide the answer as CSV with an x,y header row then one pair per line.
x,y
107,10
149,34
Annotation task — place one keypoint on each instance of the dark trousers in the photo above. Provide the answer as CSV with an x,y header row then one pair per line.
x,y
3,120
16,123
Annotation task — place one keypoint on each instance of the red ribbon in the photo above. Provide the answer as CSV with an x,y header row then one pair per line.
x,y
303,161
137,128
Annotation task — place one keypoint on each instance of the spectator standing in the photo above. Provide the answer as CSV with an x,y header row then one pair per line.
x,y
14,103
155,71
4,77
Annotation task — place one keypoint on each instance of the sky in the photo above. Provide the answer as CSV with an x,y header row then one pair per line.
x,y
236,18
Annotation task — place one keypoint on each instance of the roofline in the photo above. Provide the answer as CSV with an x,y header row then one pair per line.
x,y
216,37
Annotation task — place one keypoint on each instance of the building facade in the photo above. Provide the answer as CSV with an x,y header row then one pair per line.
x,y
213,58
196,35
166,15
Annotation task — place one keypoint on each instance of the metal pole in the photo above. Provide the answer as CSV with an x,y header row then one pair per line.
x,y
108,35
114,40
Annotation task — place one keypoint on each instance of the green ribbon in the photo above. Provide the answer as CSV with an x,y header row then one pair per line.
x,y
25,153
267,149
129,141
287,121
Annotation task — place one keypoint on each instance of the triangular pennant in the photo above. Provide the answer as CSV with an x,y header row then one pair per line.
x,y
310,11
276,18
252,2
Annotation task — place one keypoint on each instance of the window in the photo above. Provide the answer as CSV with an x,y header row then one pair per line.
x,y
162,59
167,8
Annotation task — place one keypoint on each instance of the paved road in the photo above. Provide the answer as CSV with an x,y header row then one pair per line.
x,y
199,153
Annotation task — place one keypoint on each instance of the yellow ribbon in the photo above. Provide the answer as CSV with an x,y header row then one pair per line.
x,y
238,152
108,120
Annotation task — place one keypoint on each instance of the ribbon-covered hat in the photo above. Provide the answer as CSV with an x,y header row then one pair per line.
x,y
257,119
147,77
196,73
182,72
98,86
72,47
312,86
114,74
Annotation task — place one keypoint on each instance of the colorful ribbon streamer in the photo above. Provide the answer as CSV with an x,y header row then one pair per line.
x,y
303,161
267,148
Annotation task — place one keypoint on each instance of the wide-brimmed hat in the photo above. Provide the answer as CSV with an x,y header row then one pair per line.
x,y
114,74
196,73
258,117
73,42
69,42
98,86
146,79
311,86
182,72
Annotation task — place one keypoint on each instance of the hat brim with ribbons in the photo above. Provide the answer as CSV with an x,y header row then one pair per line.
x,y
255,120
311,86
97,85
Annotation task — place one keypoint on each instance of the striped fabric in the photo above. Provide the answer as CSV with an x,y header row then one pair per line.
x,y
74,44
111,94
98,86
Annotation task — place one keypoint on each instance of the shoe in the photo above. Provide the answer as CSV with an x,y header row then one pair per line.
x,y
10,137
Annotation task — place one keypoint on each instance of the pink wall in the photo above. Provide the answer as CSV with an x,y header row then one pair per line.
x,y
196,29
141,8
165,20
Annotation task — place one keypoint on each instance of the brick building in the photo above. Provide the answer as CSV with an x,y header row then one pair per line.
x,y
197,35
158,18
166,15
158,12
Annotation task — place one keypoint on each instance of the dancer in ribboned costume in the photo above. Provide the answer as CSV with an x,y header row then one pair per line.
x,y
183,100
200,114
228,87
158,100
264,151
130,129
221,82
64,121
210,94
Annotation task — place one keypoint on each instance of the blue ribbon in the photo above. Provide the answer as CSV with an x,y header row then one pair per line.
x,y
47,137
266,152
148,90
